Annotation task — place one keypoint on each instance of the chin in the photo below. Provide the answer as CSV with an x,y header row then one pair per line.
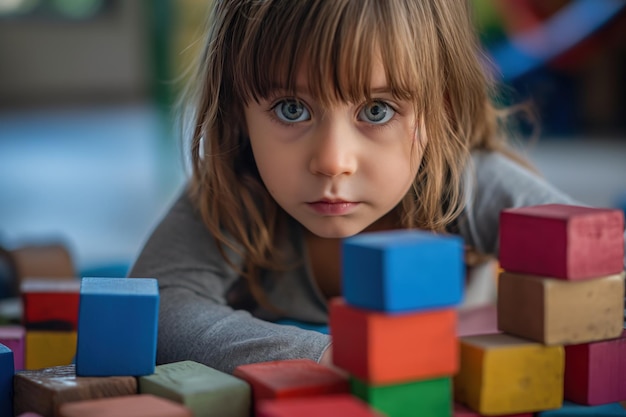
x,y
335,230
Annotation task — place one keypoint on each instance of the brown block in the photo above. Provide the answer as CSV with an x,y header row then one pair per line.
x,y
557,312
43,391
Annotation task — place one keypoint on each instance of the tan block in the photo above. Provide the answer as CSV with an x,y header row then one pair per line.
x,y
553,311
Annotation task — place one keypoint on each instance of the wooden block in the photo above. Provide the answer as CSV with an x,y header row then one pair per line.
x,y
144,405
291,379
595,372
462,411
478,320
503,374
429,397
117,326
557,312
381,348
43,391
46,260
576,410
339,405
12,336
46,348
401,271
205,391
50,304
560,241
6,381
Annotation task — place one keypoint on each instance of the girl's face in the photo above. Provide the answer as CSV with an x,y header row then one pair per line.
x,y
337,170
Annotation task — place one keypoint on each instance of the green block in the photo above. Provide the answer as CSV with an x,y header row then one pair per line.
x,y
430,397
204,390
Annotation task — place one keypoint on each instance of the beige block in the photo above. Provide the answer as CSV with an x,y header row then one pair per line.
x,y
553,311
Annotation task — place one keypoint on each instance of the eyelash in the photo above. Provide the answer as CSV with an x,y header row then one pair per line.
x,y
276,102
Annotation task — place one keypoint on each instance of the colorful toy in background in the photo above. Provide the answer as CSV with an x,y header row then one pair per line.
x,y
567,56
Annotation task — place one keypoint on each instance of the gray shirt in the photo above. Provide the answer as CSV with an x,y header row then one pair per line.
x,y
207,316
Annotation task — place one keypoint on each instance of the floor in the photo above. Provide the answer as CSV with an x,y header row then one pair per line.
x,y
100,178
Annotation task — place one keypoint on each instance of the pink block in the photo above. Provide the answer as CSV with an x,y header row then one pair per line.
x,y
461,411
340,405
594,372
13,338
561,241
30,415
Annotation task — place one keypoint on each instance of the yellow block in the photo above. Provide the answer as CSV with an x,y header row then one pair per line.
x,y
503,374
45,349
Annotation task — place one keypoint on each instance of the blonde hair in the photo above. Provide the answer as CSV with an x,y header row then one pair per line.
x,y
431,56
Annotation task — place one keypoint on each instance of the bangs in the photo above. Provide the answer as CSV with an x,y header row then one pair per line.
x,y
336,43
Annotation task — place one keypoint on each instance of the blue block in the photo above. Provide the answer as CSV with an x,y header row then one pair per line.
x,y
117,327
7,370
404,270
571,410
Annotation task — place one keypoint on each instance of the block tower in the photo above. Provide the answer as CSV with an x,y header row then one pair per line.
x,y
574,276
50,317
394,330
560,306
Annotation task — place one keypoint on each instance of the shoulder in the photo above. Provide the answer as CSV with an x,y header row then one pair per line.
x,y
493,182
496,176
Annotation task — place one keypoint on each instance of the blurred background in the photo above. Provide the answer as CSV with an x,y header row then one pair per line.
x,y
89,150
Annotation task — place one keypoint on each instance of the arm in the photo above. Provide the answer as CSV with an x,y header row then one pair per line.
x,y
195,321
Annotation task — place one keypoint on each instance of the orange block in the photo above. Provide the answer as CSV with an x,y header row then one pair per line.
x,y
381,348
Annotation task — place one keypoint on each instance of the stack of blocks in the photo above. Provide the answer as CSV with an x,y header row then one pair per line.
x,y
50,319
116,336
394,331
115,372
560,306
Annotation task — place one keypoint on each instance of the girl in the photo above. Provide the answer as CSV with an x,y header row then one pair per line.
x,y
315,120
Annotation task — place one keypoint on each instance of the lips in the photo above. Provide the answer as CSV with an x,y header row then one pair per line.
x,y
333,207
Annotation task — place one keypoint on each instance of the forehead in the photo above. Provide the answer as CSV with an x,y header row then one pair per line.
x,y
305,76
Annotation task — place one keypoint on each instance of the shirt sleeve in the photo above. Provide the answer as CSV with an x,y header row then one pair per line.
x,y
494,183
195,320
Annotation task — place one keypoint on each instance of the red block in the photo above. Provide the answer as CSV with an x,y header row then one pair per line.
x,y
50,304
595,373
327,406
291,379
561,241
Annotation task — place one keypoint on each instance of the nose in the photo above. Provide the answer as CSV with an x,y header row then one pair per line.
x,y
334,151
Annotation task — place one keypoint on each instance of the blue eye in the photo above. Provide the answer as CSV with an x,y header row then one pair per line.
x,y
376,112
291,111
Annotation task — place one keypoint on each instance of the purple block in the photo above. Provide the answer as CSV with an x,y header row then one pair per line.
x,y
13,338
594,372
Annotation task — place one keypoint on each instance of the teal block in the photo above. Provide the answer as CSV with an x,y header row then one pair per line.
x,y
117,327
320,328
7,370
573,410
402,270
205,391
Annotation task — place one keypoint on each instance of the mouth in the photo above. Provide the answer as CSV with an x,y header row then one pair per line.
x,y
333,207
